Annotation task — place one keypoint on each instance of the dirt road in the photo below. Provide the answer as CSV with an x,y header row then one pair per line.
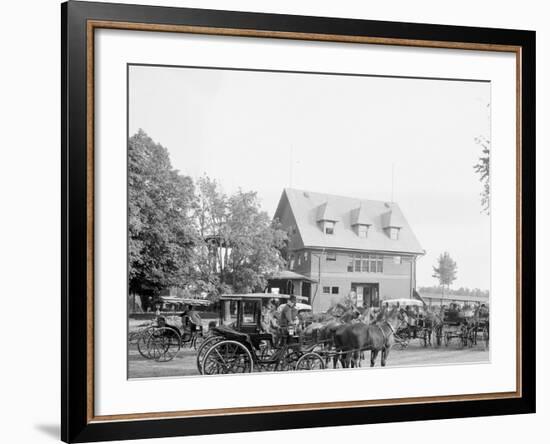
x,y
184,364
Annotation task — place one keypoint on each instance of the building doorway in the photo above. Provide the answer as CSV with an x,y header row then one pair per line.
x,y
368,295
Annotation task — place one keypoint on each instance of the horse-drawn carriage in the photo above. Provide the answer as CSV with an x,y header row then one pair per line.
x,y
162,339
417,324
242,343
465,326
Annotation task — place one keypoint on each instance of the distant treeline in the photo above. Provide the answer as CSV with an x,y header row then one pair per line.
x,y
459,291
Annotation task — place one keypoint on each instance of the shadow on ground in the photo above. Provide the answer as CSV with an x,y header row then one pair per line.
x,y
51,430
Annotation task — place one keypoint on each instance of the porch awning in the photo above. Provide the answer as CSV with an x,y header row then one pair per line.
x,y
288,275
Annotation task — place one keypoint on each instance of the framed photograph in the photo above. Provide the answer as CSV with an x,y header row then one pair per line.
x,y
275,221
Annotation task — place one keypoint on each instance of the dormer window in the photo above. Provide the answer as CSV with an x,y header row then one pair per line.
x,y
326,218
328,227
392,221
361,221
362,230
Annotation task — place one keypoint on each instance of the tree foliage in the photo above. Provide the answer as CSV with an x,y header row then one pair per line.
x,y
162,234
445,271
482,169
462,291
193,237
243,244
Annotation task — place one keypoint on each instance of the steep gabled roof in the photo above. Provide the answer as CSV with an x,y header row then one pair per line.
x,y
305,205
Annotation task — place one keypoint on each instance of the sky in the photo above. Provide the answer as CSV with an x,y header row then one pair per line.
x,y
264,131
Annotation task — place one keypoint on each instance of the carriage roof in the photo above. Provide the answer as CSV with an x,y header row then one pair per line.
x,y
189,301
404,302
256,296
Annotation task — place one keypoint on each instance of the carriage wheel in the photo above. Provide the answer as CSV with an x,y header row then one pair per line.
x,y
486,336
438,336
288,361
203,349
164,343
142,341
310,361
226,357
198,339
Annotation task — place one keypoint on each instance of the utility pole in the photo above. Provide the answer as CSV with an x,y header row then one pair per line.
x,y
392,174
319,256
290,172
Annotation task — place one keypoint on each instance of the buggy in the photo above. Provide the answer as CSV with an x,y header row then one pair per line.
x,y
242,344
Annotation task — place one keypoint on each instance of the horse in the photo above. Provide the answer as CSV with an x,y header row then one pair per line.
x,y
377,337
324,327
434,323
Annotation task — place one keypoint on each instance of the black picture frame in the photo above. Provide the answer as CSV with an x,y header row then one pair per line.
x,y
77,425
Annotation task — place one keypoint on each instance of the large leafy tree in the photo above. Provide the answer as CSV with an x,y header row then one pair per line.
x,y
162,232
445,271
255,243
242,244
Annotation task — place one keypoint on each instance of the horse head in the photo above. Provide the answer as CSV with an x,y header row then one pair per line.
x,y
395,317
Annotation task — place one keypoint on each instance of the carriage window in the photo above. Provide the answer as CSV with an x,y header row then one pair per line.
x,y
229,312
326,290
249,312
335,290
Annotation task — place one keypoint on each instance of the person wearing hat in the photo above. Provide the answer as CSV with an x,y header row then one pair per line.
x,y
289,314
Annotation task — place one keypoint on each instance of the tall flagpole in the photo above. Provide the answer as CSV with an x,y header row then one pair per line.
x,y
392,176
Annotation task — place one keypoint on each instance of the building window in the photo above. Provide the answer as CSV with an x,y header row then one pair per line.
x,y
335,290
326,290
291,262
331,256
379,264
397,260
329,227
362,230
365,263
372,264
299,259
306,255
394,233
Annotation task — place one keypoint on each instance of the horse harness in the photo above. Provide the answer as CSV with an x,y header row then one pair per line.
x,y
382,330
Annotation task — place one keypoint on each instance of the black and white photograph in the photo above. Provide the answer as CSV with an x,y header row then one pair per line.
x,y
284,221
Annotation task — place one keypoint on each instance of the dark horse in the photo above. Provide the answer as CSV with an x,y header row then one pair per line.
x,y
351,339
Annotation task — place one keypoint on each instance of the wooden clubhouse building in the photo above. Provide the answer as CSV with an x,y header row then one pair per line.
x,y
341,244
